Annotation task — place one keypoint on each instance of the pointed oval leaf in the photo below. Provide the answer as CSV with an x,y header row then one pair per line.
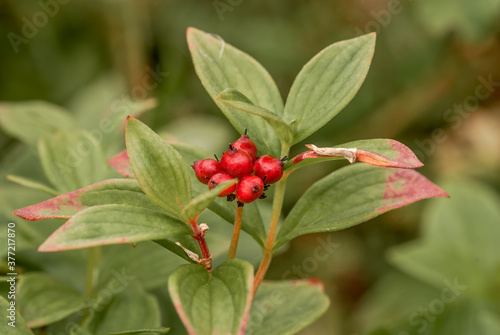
x,y
158,167
111,191
220,66
238,100
327,83
378,152
44,300
213,304
352,195
112,224
201,202
285,307
30,120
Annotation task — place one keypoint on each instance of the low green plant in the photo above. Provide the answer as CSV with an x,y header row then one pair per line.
x,y
161,200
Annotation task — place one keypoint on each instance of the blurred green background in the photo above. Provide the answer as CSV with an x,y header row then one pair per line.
x,y
434,85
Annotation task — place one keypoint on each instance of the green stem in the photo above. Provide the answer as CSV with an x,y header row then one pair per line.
x,y
93,257
279,196
236,232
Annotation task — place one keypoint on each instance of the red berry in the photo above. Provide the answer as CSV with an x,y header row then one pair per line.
x,y
268,168
205,169
236,163
245,144
220,178
249,188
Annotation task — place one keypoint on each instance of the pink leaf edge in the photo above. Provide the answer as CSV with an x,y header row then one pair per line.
x,y
50,246
63,206
404,187
121,163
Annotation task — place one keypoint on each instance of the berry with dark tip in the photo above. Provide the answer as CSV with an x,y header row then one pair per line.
x,y
220,178
236,163
245,144
249,188
205,169
268,168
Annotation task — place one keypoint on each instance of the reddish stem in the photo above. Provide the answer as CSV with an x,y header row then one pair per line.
x,y
200,238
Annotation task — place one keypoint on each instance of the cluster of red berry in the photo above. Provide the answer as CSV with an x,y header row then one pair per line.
x,y
240,161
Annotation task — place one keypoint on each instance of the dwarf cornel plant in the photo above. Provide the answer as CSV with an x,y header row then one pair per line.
x,y
162,197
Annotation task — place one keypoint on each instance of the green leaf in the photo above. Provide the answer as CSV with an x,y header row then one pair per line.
x,y
72,160
28,182
158,167
284,308
44,300
18,327
201,202
213,304
378,152
131,309
459,242
238,100
352,195
30,120
112,224
327,83
220,66
107,192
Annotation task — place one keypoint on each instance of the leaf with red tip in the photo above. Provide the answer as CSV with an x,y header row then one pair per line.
x,y
121,163
113,224
352,195
378,152
213,304
298,302
111,191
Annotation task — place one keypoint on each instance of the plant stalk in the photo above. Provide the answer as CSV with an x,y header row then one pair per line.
x,y
279,196
200,238
236,231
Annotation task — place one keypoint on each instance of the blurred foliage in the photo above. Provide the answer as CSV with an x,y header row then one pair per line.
x,y
433,85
